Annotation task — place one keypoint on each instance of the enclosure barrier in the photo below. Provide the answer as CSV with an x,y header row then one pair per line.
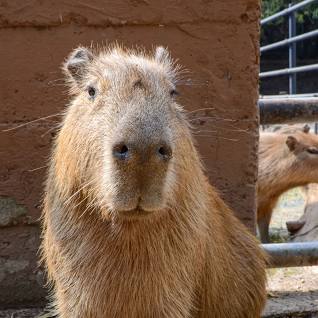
x,y
291,70
291,42
294,39
287,11
288,110
292,254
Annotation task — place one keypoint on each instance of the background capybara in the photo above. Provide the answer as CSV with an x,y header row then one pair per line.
x,y
132,227
305,229
286,160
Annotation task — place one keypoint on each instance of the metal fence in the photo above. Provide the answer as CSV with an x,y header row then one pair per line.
x,y
291,42
278,114
292,108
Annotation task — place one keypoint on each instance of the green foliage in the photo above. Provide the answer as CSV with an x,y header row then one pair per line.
x,y
269,7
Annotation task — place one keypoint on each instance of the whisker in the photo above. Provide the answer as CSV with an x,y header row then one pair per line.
x,y
212,117
216,137
31,122
245,131
200,109
49,130
52,82
35,169
205,131
89,206
78,191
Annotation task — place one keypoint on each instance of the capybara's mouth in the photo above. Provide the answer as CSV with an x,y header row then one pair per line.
x,y
135,213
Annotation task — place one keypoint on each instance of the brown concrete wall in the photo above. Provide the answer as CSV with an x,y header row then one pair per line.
x,y
217,40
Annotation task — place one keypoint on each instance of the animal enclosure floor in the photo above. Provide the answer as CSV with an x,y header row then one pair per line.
x,y
20,313
289,208
295,289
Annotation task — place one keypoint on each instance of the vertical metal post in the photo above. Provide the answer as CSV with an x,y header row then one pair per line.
x,y
292,51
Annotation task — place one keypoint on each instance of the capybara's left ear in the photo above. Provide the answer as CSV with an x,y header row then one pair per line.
x,y
172,69
77,63
291,143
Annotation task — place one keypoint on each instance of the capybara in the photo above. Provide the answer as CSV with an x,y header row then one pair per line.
x,y
286,160
306,228
132,227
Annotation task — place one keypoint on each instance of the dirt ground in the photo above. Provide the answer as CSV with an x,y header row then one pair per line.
x,y
23,313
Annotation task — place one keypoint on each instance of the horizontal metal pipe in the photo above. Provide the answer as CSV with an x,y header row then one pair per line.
x,y
288,110
287,11
288,96
287,71
292,254
285,42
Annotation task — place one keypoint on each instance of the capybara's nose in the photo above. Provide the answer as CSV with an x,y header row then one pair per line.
x,y
125,151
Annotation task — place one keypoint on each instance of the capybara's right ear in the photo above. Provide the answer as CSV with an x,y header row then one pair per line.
x,y
77,63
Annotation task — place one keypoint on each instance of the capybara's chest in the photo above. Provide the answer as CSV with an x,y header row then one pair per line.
x,y
144,277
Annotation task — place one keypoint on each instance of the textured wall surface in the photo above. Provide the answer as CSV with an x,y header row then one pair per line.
x,y
216,40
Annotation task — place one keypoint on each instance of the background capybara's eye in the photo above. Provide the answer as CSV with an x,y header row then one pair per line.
x,y
91,91
312,150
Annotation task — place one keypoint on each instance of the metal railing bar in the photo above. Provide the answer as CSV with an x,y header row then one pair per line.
x,y
292,52
288,110
287,11
285,42
288,96
292,254
287,71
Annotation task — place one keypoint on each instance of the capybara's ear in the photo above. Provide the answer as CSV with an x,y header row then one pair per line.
x,y
77,63
306,129
291,142
162,55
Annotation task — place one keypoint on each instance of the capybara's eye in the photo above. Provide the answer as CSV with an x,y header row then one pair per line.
x,y
313,150
91,91
173,93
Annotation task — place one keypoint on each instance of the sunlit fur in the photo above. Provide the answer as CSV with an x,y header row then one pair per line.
x,y
189,258
282,168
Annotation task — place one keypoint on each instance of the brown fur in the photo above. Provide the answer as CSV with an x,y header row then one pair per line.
x,y
186,255
285,162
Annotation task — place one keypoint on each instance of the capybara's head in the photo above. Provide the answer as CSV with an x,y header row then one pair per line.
x,y
303,146
120,139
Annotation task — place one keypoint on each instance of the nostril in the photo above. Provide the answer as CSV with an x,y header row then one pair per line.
x,y
165,152
120,151
162,151
123,149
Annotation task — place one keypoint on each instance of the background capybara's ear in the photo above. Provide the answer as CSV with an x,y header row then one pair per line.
x,y
306,129
291,142
77,63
